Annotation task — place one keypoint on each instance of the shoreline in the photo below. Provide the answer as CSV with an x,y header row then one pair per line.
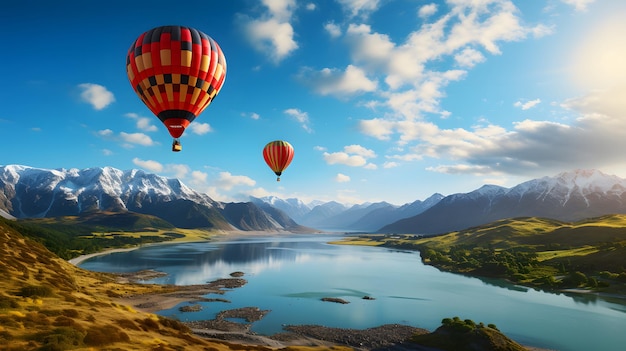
x,y
215,237
239,333
80,259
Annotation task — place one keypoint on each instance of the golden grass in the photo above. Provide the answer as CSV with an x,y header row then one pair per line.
x,y
579,251
78,312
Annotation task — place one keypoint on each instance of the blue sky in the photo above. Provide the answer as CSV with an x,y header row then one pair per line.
x,y
383,100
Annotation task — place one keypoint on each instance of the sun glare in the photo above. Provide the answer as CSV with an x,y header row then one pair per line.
x,y
599,60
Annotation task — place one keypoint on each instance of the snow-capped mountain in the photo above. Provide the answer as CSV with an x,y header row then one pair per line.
x,y
27,192
294,208
335,216
568,196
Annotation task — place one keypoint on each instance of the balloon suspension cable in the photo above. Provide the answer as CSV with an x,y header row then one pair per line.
x,y
176,146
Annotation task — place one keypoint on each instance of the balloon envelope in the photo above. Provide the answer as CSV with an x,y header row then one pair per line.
x,y
278,155
176,71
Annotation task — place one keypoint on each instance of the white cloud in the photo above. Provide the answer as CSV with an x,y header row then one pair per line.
x,y
469,57
310,6
352,155
273,34
531,147
227,181
359,150
143,123
150,165
333,29
96,95
528,104
179,171
359,7
345,159
105,132
301,117
342,178
200,128
390,164
427,10
136,138
340,83
579,5
415,80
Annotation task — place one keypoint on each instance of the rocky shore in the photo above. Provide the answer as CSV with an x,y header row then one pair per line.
x,y
389,337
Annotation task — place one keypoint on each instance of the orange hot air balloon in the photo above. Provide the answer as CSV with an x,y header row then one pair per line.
x,y
278,155
176,71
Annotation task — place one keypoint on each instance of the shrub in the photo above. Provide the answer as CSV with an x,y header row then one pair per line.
x,y
70,312
174,324
148,324
108,334
62,338
35,291
7,302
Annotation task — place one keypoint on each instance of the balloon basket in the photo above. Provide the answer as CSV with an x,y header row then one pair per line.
x,y
176,146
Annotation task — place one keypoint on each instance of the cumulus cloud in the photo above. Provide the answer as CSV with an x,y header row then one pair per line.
x,y
333,29
150,165
96,95
352,155
353,80
528,104
390,164
469,57
136,138
179,171
427,10
227,181
530,147
273,33
200,128
342,178
301,117
143,123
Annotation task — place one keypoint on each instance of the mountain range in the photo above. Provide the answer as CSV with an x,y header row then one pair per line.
x,y
28,192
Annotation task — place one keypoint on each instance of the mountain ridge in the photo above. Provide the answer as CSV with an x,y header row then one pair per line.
x,y
568,196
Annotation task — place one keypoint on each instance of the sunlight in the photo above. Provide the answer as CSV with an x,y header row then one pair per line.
x,y
598,60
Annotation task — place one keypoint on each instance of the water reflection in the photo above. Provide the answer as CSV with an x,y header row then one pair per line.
x,y
290,275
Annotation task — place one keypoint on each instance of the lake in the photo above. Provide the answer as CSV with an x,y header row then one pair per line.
x,y
290,274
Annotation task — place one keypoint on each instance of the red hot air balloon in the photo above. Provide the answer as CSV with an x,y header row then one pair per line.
x,y
176,71
278,155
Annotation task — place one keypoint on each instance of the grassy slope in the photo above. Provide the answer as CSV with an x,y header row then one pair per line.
x,y
591,246
49,304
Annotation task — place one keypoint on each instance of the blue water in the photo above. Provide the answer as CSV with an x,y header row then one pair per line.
x,y
290,274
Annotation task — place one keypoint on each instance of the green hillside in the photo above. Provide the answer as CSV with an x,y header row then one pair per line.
x,y
72,236
550,254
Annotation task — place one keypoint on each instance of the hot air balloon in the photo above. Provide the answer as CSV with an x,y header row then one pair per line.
x,y
176,71
278,155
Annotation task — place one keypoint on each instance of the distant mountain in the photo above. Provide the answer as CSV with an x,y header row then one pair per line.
x,y
568,196
27,192
332,215
294,208
379,217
